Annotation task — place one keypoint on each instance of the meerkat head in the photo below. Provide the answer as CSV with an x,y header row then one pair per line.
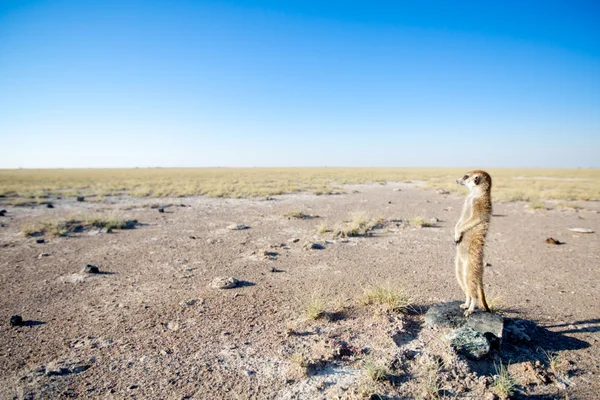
x,y
476,181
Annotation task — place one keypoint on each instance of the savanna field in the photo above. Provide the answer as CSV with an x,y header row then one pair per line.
x,y
292,283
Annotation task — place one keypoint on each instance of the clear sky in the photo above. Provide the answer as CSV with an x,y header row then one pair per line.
x,y
299,83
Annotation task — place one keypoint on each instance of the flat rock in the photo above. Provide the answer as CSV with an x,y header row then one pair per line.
x,y
224,282
468,342
445,315
450,315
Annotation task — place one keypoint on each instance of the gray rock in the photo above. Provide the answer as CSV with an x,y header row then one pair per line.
x,y
468,342
450,315
90,269
16,320
224,283
188,303
484,322
129,224
445,315
237,227
63,367
313,246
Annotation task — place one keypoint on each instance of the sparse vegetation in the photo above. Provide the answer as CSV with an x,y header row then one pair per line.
x,y
429,378
314,309
299,215
554,362
392,300
300,360
504,384
509,184
496,304
420,222
58,228
358,225
321,229
375,371
537,205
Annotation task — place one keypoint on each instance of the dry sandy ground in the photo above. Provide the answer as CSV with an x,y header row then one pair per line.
x,y
126,333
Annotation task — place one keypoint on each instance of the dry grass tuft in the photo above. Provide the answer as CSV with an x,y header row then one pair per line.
x,y
392,300
496,305
314,309
359,225
66,227
504,384
420,222
321,229
375,371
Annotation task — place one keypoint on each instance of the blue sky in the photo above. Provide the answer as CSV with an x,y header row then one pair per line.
x,y
299,83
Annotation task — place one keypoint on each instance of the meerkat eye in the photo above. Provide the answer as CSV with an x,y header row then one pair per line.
x,y
466,177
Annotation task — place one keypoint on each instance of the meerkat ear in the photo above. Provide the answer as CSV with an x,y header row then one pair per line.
x,y
476,180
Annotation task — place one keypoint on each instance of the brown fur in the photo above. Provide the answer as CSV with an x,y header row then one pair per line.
x,y
470,233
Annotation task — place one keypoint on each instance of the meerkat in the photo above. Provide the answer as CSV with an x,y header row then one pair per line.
x,y
469,236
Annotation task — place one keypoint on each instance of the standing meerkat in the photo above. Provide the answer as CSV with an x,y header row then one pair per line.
x,y
469,236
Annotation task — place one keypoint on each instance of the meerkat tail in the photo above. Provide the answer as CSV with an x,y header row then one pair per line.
x,y
483,305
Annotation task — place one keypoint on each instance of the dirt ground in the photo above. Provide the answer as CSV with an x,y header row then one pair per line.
x,y
151,326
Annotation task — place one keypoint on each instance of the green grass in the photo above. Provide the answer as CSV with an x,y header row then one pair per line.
x,y
509,184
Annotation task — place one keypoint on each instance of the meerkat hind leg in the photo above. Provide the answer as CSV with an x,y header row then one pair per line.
x,y
460,277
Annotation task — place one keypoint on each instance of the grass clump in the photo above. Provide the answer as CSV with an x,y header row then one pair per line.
x,y
392,300
315,309
504,384
496,305
323,228
375,371
420,222
360,225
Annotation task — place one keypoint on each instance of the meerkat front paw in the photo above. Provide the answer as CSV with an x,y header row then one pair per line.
x,y
464,306
468,312
457,237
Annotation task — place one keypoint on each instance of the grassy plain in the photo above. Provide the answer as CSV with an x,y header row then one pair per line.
x,y
509,184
